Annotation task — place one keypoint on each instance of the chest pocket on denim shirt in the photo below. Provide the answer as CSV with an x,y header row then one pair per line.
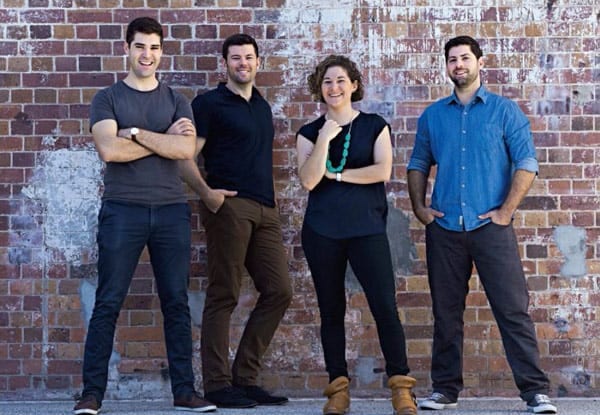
x,y
491,143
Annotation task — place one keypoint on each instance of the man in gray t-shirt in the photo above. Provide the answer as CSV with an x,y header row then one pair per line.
x,y
141,128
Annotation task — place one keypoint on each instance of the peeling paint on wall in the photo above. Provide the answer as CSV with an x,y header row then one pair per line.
x,y
65,190
571,242
67,183
367,370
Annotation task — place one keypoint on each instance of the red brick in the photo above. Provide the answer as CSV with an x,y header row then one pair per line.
x,y
191,15
139,334
553,91
32,335
7,17
11,335
58,382
228,15
67,367
20,351
89,16
579,202
88,47
43,16
19,382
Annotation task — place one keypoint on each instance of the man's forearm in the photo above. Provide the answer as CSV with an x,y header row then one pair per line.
x,y
520,185
417,188
191,175
175,147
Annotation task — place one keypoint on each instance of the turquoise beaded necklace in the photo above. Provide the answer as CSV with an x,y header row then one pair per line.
x,y
342,164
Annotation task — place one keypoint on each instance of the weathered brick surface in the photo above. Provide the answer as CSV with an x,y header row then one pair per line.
x,y
56,54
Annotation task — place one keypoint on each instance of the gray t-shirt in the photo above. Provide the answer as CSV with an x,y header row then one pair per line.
x,y
152,180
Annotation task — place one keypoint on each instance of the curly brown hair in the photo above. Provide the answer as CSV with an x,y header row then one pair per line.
x,y
315,79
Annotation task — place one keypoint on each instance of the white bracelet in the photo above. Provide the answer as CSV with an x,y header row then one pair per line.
x,y
338,177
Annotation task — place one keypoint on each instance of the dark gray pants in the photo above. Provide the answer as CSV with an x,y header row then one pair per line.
x,y
494,251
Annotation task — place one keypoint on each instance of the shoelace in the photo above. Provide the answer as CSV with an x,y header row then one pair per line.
x,y
436,396
539,398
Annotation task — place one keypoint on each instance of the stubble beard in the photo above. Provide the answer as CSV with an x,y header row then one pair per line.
x,y
464,81
235,78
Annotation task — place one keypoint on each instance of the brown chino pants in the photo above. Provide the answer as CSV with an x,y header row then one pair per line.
x,y
243,234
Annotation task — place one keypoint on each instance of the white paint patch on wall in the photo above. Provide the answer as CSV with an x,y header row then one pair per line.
x,y
571,243
300,19
67,184
535,11
335,23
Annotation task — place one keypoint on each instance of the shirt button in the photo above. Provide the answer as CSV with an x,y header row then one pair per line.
x,y
462,185
464,204
463,149
462,167
464,131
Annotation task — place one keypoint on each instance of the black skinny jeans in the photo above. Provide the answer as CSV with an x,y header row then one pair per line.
x,y
371,262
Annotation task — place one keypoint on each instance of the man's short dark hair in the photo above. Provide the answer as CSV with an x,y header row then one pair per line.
x,y
463,40
145,25
239,39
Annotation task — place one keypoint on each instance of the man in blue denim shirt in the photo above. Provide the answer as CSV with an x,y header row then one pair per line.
x,y
482,146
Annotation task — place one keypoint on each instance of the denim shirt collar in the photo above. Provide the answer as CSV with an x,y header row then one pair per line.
x,y
481,95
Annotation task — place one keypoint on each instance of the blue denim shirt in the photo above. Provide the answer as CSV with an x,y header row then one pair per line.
x,y
476,147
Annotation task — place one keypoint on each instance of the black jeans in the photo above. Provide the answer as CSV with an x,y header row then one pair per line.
x,y
494,251
371,262
123,232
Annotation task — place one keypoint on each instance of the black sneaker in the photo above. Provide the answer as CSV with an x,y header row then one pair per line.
x,y
194,403
262,396
230,397
437,401
541,404
87,405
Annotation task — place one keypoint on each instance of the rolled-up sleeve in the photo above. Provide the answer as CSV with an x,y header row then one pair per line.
x,y
421,158
519,139
529,164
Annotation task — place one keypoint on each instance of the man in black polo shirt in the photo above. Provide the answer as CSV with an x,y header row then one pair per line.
x,y
243,229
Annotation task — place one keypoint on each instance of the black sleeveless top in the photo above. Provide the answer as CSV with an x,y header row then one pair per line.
x,y
345,210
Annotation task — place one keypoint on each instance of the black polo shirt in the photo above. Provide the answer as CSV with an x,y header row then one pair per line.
x,y
238,153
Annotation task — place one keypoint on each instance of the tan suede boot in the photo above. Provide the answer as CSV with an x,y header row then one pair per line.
x,y
338,402
403,400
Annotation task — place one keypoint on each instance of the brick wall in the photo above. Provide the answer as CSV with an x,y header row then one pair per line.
x,y
55,54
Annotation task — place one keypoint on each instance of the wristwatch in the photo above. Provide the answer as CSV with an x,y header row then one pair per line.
x,y
338,177
133,132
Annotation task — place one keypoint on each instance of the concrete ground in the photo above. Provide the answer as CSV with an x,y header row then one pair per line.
x,y
471,406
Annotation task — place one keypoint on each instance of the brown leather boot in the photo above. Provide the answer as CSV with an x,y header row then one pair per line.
x,y
338,402
403,400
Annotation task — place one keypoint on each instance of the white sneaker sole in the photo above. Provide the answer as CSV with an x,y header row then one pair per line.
x,y
434,406
86,412
546,408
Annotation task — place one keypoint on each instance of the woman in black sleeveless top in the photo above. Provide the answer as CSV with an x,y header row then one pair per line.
x,y
344,159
